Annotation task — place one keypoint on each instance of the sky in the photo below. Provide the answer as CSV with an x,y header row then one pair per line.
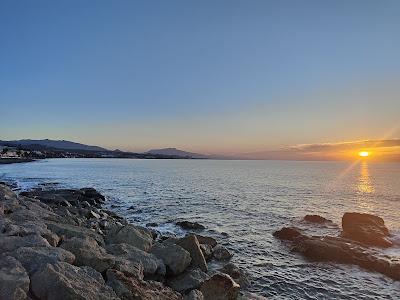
x,y
253,78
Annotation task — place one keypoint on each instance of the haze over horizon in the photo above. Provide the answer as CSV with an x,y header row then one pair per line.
x,y
258,78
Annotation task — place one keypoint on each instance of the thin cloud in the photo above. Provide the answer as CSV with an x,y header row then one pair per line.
x,y
346,145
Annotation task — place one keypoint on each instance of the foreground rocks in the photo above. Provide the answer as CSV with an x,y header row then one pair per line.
x,y
61,244
359,232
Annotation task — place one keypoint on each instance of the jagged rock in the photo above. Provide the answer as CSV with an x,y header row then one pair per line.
x,y
92,214
14,280
174,257
136,236
316,219
207,240
88,253
190,225
221,253
194,295
191,244
365,228
11,243
151,264
207,251
189,280
67,282
129,268
35,258
220,287
128,288
70,231
238,275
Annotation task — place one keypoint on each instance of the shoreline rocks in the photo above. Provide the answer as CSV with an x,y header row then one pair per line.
x,y
61,244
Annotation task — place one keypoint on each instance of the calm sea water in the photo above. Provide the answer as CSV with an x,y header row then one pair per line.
x,y
242,203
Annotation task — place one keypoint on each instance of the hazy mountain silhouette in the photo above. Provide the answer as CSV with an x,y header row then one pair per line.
x,y
55,144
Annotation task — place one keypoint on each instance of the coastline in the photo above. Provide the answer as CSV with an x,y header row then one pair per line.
x,y
6,161
53,241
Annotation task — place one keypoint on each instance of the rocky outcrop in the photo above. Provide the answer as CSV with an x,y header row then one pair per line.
x,y
316,219
366,229
175,258
190,225
128,288
220,287
221,253
67,282
237,274
287,233
14,280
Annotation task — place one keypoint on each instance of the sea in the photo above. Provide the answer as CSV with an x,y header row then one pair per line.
x,y
242,203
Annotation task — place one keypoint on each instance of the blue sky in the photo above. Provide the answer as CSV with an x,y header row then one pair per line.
x,y
211,76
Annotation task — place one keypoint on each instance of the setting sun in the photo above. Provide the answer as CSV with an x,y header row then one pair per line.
x,y
363,153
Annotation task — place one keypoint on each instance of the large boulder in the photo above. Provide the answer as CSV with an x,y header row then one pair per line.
x,y
288,233
14,280
133,235
316,219
128,288
68,282
11,243
174,257
36,258
194,295
221,253
206,240
191,244
151,264
366,229
190,225
189,280
220,287
237,274
67,231
88,253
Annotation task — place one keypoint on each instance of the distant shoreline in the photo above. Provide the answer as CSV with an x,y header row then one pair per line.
x,y
6,161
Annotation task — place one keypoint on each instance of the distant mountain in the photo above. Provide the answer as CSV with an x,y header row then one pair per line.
x,y
177,152
55,144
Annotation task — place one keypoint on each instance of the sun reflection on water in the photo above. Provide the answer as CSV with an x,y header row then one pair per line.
x,y
364,182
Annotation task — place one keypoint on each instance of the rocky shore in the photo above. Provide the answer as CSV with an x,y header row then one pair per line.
x,y
362,237
6,161
63,244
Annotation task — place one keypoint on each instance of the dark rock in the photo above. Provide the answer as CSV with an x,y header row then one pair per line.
x,y
365,228
220,287
221,253
238,275
14,280
194,295
207,251
206,240
189,280
191,244
151,225
128,288
67,282
316,219
190,225
11,243
288,233
174,257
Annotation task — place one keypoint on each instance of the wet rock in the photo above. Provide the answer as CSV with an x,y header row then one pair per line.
x,y
365,228
189,280
88,253
35,258
194,295
316,219
67,282
175,258
151,264
191,244
14,280
206,240
190,225
220,287
136,236
221,253
288,233
237,274
11,243
128,288
91,214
